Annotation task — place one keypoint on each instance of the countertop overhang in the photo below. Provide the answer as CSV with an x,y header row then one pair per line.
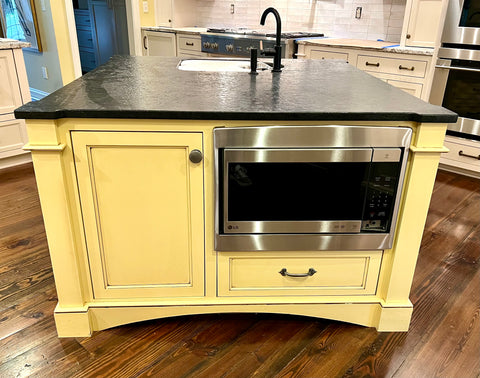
x,y
306,90
363,44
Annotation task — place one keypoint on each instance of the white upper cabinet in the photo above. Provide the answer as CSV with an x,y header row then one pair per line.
x,y
423,22
164,12
175,13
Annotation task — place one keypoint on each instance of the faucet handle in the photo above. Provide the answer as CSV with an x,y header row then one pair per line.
x,y
268,52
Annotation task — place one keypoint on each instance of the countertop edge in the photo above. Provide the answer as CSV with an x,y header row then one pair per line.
x,y
179,30
238,116
393,49
7,44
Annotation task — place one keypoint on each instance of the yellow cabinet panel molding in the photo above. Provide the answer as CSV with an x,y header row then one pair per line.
x,y
260,274
142,203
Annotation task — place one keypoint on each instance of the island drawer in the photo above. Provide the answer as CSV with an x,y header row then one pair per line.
x,y
189,43
404,67
278,273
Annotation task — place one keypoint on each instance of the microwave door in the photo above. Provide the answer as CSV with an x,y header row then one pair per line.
x,y
294,190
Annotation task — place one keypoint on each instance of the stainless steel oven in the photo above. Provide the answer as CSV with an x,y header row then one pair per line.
x,y
456,84
308,187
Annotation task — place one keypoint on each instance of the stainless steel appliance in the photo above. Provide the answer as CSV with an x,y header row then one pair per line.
x,y
456,84
238,42
308,187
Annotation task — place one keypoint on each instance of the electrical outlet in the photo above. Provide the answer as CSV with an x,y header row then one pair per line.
x,y
232,8
145,7
358,12
44,72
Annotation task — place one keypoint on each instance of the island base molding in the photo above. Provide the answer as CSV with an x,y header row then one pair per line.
x,y
81,322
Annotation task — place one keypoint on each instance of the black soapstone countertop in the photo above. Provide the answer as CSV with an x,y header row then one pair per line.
x,y
153,88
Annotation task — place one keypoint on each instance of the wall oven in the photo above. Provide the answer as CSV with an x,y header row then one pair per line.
x,y
456,84
308,187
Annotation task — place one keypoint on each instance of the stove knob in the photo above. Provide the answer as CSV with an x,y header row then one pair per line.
x,y
215,46
229,48
206,45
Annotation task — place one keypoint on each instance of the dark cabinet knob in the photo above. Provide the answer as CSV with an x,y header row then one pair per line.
x,y
196,156
408,36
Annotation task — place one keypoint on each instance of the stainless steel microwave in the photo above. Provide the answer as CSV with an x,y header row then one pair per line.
x,y
308,187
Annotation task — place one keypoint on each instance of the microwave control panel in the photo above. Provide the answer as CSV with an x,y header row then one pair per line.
x,y
380,196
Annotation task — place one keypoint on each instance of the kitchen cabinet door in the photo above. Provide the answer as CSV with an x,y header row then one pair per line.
x,y
415,89
164,12
422,23
159,44
142,205
10,95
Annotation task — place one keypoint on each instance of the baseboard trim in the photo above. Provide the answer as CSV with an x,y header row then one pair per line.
x,y
15,160
37,94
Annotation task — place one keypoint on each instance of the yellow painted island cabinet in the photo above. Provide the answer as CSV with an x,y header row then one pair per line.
x,y
129,211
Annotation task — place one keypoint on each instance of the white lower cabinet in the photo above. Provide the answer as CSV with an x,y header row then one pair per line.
x,y
189,46
415,89
463,156
12,137
408,72
159,43
14,92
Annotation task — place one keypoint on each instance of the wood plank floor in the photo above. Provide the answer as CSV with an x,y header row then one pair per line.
x,y
443,341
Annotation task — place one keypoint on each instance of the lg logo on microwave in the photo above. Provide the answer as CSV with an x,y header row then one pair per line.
x,y
232,227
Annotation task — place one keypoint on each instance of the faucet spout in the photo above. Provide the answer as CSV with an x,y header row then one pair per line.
x,y
277,54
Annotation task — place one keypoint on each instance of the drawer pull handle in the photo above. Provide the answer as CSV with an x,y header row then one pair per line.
x,y
461,153
400,67
189,43
372,64
310,272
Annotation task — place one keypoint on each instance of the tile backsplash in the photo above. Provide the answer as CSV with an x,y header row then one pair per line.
x,y
381,19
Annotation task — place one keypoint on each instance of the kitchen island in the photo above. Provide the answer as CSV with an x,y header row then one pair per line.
x,y
130,218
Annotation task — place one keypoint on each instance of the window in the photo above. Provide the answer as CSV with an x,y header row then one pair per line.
x,y
18,21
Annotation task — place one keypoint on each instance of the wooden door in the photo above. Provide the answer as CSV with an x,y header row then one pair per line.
x,y
142,205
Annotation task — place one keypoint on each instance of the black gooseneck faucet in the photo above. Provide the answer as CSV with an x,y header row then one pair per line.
x,y
276,52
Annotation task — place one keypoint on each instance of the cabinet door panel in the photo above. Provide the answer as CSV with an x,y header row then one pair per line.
x,y
160,44
142,203
10,96
415,89
424,23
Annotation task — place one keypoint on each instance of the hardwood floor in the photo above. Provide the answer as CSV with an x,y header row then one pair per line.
x,y
443,341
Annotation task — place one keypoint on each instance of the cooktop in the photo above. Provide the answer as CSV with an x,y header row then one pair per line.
x,y
250,32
